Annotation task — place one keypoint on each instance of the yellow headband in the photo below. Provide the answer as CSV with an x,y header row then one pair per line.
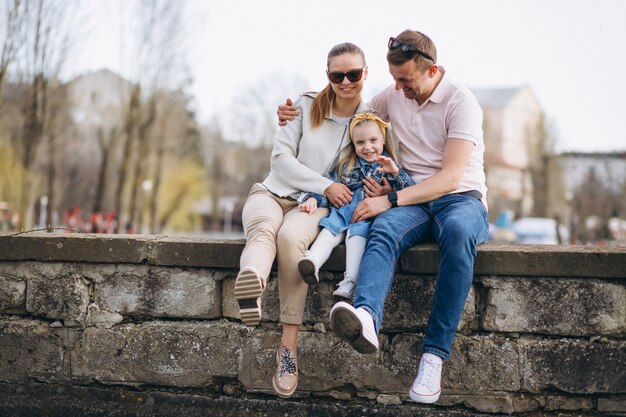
x,y
361,117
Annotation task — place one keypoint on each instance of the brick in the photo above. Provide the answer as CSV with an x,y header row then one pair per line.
x,y
527,260
551,261
568,307
574,366
31,350
161,353
160,292
324,363
465,370
486,402
408,305
524,403
12,294
607,405
318,302
58,293
74,247
198,252
569,404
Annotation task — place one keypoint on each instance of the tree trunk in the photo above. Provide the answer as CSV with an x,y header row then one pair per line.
x,y
129,139
142,155
155,227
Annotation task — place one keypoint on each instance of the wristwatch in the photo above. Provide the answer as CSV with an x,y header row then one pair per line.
x,y
393,198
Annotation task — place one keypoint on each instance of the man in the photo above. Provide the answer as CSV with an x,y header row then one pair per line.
x,y
439,124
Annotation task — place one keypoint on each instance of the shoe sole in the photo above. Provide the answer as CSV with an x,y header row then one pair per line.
x,y
424,399
347,326
283,394
248,292
306,268
343,296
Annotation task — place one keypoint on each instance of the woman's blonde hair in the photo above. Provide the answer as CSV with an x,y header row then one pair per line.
x,y
348,158
324,99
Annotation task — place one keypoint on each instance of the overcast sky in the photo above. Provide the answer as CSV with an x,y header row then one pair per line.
x,y
571,53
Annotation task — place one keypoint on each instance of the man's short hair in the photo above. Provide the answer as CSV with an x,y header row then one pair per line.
x,y
418,40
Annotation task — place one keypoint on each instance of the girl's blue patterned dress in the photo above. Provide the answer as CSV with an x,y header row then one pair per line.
x,y
338,219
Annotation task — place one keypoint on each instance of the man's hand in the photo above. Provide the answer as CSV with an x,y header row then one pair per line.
x,y
370,207
387,165
309,206
286,112
374,189
338,194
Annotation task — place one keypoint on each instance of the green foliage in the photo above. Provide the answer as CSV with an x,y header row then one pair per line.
x,y
184,184
11,175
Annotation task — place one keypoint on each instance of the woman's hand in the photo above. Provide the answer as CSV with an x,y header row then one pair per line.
x,y
338,194
309,206
286,112
374,189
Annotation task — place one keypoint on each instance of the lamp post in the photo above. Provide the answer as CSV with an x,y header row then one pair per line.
x,y
146,186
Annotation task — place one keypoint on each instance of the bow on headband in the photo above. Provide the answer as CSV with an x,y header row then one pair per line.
x,y
361,117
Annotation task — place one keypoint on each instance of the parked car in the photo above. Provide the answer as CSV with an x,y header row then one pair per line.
x,y
539,230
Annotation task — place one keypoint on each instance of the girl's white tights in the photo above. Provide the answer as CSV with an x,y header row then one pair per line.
x,y
326,242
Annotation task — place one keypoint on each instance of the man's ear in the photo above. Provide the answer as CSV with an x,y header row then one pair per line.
x,y
432,70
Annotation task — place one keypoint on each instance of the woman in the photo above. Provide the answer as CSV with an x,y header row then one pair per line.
x,y
305,151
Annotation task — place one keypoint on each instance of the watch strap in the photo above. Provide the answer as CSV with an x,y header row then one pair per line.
x,y
393,198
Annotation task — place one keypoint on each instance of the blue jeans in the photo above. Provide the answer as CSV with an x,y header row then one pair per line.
x,y
457,223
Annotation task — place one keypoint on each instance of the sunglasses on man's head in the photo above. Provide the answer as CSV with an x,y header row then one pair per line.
x,y
407,50
337,77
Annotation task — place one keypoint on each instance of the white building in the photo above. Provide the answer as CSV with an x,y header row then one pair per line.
x,y
608,167
512,118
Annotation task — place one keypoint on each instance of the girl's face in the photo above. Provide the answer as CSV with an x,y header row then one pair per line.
x,y
347,63
368,141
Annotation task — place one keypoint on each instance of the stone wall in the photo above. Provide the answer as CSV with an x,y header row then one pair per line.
x,y
137,325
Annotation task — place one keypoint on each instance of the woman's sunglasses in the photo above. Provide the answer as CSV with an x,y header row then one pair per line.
x,y
407,50
337,77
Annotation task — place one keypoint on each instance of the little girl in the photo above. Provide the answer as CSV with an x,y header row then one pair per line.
x,y
371,155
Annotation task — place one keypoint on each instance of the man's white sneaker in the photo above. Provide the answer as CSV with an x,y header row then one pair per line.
x,y
345,288
355,325
427,385
309,271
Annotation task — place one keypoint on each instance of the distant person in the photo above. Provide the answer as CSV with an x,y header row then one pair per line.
x,y
372,155
439,125
305,151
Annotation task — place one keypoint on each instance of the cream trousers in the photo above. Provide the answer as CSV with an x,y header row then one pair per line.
x,y
274,226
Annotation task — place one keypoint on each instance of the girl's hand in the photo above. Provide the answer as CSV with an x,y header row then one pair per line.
x,y
387,165
309,206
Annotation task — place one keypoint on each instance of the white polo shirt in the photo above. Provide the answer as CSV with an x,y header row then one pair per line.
x,y
451,112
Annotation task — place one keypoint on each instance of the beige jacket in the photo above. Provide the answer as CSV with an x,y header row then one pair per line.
x,y
303,155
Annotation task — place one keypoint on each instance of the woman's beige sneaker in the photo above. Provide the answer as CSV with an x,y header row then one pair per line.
x,y
285,379
248,290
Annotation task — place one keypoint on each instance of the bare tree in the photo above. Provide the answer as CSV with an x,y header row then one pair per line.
x,y
542,167
107,139
593,203
253,114
159,50
12,14
46,35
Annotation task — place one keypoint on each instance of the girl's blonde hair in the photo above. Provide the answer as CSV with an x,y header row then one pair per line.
x,y
324,99
348,159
